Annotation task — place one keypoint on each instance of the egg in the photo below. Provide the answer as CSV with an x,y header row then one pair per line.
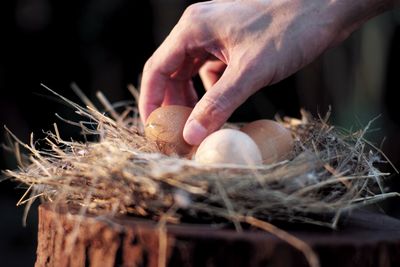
x,y
165,127
228,146
274,140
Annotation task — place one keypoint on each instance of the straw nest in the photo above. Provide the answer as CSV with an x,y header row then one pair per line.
x,y
330,171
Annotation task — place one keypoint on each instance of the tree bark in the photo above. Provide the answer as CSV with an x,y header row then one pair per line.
x,y
67,239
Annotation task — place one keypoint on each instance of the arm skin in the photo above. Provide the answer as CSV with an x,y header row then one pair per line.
x,y
240,46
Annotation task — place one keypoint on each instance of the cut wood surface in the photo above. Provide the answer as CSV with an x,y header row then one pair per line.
x,y
67,239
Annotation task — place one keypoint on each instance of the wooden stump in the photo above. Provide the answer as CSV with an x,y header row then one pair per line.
x,y
67,239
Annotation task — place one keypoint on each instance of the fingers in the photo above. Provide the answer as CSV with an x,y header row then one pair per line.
x,y
180,93
190,95
216,106
173,64
156,77
167,76
210,72
170,65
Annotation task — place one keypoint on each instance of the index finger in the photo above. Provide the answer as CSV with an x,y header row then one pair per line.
x,y
157,72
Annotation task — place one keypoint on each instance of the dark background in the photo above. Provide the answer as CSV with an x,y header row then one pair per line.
x,y
102,45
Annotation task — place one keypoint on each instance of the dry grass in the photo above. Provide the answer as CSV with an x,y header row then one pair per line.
x,y
330,171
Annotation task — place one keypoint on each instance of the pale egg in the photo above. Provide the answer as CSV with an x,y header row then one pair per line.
x,y
274,140
165,127
228,146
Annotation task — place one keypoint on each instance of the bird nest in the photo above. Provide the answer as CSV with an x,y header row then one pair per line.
x,y
331,171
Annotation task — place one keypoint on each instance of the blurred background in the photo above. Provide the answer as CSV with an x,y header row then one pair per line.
x,y
103,45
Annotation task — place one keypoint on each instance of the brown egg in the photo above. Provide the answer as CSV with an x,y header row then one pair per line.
x,y
165,127
274,141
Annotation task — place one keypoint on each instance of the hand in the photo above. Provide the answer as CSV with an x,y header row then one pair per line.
x,y
239,47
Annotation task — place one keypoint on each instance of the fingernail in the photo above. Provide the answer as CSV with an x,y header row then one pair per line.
x,y
194,133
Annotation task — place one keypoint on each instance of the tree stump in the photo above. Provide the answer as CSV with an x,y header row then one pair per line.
x,y
69,239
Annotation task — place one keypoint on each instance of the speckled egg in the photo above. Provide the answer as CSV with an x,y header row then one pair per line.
x,y
165,127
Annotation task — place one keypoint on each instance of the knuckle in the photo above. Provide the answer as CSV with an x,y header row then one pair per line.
x,y
193,24
193,11
215,107
148,65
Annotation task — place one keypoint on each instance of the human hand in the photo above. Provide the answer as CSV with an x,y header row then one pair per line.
x,y
241,46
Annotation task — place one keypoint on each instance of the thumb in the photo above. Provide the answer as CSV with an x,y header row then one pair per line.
x,y
216,106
